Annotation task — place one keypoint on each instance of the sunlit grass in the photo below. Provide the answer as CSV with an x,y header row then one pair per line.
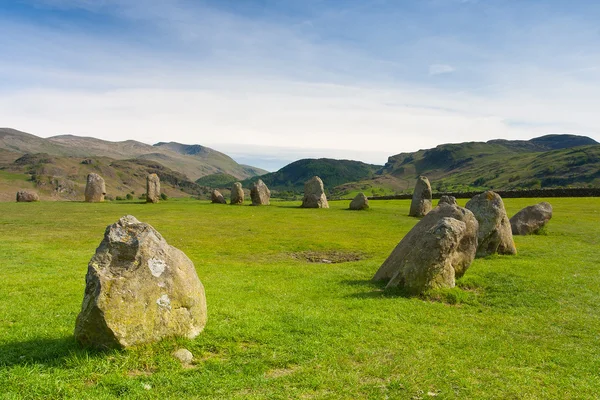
x,y
523,327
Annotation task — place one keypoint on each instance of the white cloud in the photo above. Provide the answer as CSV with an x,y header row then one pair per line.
x,y
436,69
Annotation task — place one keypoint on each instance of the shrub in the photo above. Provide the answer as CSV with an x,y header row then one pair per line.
x,y
164,196
129,196
119,198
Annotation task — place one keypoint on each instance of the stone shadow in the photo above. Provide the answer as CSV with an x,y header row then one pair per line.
x,y
378,289
45,351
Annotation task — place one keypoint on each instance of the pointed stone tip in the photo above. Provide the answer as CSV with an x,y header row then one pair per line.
x,y
128,220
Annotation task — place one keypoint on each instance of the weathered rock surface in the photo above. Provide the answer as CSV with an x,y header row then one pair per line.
x,y
237,193
184,355
95,189
314,194
139,289
438,249
421,200
152,188
360,202
26,196
217,197
447,200
260,194
495,234
531,219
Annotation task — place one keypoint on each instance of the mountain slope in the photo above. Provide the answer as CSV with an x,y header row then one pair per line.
x,y
332,172
194,164
547,161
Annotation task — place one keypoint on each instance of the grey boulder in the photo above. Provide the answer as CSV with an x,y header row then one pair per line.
x,y
139,289
447,199
495,234
314,194
95,188
152,188
360,202
531,219
436,251
260,194
237,194
217,198
26,196
421,200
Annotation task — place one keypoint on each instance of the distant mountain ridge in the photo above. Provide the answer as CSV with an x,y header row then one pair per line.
x,y
194,161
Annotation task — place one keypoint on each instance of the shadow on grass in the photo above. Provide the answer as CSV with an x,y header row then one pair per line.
x,y
378,290
48,352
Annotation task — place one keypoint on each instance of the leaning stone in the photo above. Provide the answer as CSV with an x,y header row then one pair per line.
x,y
26,196
360,202
217,197
139,289
152,188
260,194
184,355
421,200
495,234
95,189
314,194
436,251
237,194
447,199
531,219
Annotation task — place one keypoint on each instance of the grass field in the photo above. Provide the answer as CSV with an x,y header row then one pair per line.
x,y
520,327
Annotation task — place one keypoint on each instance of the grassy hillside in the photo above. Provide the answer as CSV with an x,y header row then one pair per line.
x,y
194,164
544,162
217,180
64,178
332,172
281,327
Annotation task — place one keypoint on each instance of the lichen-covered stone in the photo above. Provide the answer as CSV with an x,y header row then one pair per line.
x,y
217,198
438,249
139,289
237,194
360,202
152,188
421,200
447,199
95,188
495,234
531,219
260,194
26,196
314,194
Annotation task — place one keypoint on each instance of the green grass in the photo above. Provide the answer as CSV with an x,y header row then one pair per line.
x,y
522,327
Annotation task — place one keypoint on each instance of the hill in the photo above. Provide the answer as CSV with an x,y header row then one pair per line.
x,y
547,161
332,172
193,161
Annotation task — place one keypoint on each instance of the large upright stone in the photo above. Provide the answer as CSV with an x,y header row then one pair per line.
x,y
421,200
495,235
531,219
139,289
27,196
95,189
436,251
152,188
360,202
217,198
260,194
314,194
237,194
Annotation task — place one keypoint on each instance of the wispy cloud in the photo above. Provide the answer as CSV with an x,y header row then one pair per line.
x,y
292,75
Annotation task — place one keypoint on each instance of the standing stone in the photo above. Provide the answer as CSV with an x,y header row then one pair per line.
x,y
152,188
448,200
436,251
217,197
260,193
237,194
95,189
360,202
314,194
26,196
421,200
531,219
139,289
495,234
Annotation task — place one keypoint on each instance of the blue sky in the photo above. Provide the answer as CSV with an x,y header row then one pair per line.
x,y
272,81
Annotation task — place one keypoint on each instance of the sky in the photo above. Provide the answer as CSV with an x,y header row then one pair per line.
x,y
272,81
